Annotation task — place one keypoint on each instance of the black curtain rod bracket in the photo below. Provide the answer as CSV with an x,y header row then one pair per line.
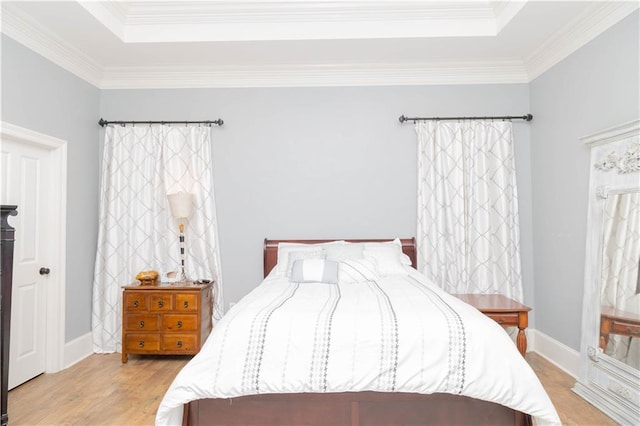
x,y
526,117
217,122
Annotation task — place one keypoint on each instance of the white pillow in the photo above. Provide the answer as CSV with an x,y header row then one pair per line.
x,y
314,271
357,271
283,266
341,252
385,265
374,244
388,257
388,253
391,243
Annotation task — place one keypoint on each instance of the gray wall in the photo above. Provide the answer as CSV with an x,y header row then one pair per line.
x,y
43,97
320,162
595,88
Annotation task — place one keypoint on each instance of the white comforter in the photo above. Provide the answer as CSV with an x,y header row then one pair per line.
x,y
400,334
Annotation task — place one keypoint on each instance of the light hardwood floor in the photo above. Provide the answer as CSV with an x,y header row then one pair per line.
x,y
100,390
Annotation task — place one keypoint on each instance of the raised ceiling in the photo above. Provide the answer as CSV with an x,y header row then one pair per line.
x,y
145,44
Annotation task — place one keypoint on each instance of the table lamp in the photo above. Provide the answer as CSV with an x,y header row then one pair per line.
x,y
181,204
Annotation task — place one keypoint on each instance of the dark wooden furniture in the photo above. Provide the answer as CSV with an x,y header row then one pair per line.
x,y
506,312
165,319
7,239
351,408
348,408
615,321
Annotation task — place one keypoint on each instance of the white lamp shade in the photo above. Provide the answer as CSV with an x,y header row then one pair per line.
x,y
181,204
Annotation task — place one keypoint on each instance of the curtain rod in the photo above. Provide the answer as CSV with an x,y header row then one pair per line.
x,y
527,117
217,122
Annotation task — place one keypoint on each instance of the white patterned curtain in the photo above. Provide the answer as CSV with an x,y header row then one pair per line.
x,y
468,232
141,165
620,263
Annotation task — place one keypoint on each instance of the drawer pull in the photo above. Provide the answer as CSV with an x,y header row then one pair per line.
x,y
141,343
160,303
179,343
185,304
141,324
179,324
632,331
136,303
500,321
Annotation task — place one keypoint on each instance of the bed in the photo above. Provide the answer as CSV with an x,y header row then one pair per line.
x,y
363,352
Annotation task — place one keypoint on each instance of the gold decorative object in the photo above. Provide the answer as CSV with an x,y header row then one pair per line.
x,y
147,277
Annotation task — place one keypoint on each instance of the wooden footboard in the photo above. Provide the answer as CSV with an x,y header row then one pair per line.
x,y
351,408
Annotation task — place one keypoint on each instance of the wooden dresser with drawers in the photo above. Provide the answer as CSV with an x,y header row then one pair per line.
x,y
165,319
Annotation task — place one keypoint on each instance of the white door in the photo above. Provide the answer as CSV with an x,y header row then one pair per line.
x,y
26,174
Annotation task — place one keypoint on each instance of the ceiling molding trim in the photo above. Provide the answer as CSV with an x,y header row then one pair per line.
x,y
499,72
113,15
505,11
48,45
146,22
590,24
206,32
305,11
594,21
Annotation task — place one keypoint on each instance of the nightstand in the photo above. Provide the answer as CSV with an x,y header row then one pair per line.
x,y
615,321
165,319
506,312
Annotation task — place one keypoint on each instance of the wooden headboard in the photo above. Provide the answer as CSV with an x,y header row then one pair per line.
x,y
271,249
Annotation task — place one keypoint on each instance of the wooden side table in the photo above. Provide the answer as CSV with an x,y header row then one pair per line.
x,y
615,321
506,312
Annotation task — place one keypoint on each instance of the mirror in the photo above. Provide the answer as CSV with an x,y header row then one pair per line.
x,y
609,375
620,280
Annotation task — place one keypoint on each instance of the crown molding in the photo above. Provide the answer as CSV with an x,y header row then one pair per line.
x,y
309,75
112,14
591,23
254,12
582,30
142,22
505,11
29,33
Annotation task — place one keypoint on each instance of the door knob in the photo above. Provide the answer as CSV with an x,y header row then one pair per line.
x,y
44,271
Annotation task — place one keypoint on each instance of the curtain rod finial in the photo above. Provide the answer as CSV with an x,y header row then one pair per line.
x,y
528,117
102,122
402,118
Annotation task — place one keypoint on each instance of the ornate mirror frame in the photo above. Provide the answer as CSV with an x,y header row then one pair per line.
x,y
610,385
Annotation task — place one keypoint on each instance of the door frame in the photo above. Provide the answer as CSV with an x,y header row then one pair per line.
x,y
57,244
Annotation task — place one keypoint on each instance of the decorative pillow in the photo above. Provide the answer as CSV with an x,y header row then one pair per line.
x,y
294,256
314,271
282,267
357,271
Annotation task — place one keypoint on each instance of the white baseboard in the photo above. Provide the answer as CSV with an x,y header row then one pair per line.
x,y
559,354
78,349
